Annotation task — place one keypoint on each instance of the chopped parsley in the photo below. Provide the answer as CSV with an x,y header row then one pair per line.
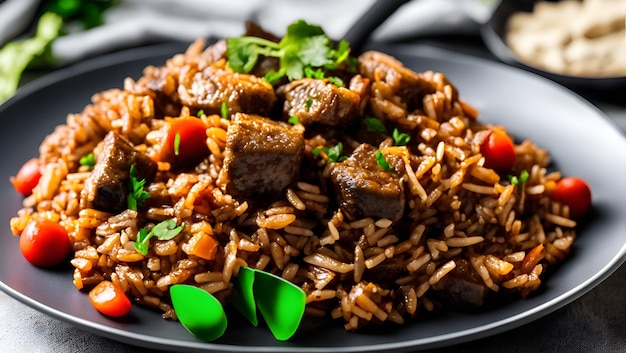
x,y
523,177
164,230
224,111
382,162
200,113
310,72
294,120
88,160
374,125
177,143
333,153
400,139
304,47
309,103
272,76
336,81
136,194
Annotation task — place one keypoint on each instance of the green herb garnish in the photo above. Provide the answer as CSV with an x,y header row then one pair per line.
x,y
56,18
177,144
294,120
310,72
303,46
200,113
374,125
164,230
400,139
273,76
336,81
382,162
333,153
523,177
136,194
224,111
88,160
308,103
17,55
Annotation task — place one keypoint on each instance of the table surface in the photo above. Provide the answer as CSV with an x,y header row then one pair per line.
x,y
596,322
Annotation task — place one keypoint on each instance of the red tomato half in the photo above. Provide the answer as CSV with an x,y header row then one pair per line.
x,y
27,177
498,151
185,144
44,243
575,193
109,300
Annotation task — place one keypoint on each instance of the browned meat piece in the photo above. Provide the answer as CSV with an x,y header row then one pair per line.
x,y
262,156
161,82
462,286
396,91
361,86
364,189
319,101
386,272
107,187
207,89
403,82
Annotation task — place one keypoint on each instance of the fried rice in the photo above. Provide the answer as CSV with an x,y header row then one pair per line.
x,y
466,234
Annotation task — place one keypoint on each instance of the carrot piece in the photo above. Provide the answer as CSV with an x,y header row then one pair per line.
x,y
203,245
532,258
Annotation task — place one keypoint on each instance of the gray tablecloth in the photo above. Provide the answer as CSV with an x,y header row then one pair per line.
x,y
594,323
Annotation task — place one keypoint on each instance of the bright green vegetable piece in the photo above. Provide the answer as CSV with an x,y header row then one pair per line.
x,y
244,299
280,302
199,311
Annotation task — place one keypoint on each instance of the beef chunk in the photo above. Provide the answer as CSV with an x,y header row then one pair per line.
x,y
107,187
364,189
462,286
319,101
209,88
161,82
262,156
386,272
394,79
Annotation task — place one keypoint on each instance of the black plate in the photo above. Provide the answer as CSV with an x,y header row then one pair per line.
x,y
494,33
581,140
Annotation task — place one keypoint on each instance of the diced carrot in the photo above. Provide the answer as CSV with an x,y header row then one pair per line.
x,y
203,245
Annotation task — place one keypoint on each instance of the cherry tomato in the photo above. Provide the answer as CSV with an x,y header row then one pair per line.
x,y
109,299
27,177
185,144
44,243
575,193
498,151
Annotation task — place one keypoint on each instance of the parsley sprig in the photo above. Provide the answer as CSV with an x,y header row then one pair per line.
x,y
136,194
224,111
400,138
382,161
302,52
523,177
333,153
374,125
164,230
88,160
